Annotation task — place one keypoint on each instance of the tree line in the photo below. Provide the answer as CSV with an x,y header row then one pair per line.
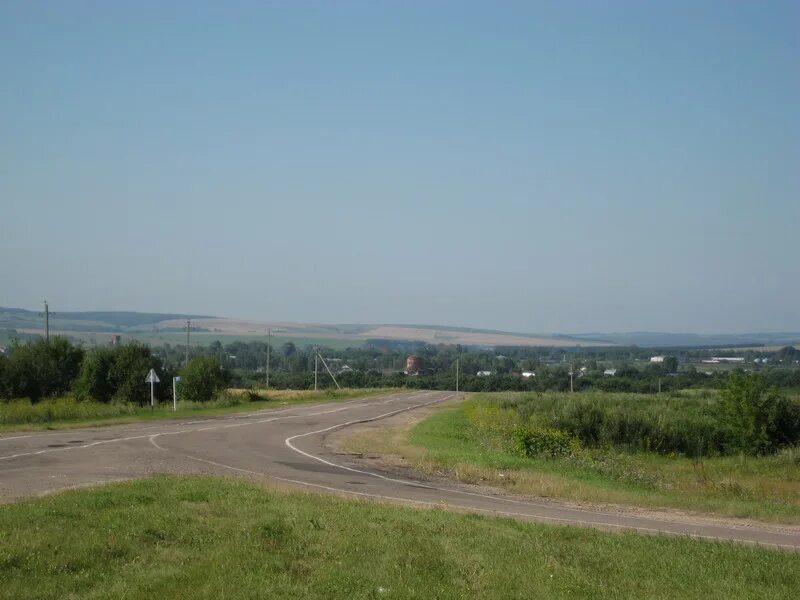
x,y
42,369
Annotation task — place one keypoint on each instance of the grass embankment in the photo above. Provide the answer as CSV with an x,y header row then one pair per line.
x,y
449,442
211,538
67,412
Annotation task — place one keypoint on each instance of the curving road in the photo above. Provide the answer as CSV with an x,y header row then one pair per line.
x,y
288,445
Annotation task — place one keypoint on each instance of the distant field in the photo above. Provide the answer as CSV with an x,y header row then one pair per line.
x,y
168,328
193,537
470,338
202,338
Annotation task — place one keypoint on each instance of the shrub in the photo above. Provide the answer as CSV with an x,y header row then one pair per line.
x,y
542,441
637,422
760,420
40,369
202,379
118,374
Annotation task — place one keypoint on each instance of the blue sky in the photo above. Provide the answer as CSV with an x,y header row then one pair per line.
x,y
537,167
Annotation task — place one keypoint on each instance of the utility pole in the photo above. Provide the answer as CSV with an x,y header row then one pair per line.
x,y
269,347
327,368
46,314
571,388
188,327
457,369
316,366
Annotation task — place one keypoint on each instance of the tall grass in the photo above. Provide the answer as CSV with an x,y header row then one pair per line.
x,y
686,424
690,424
59,409
68,408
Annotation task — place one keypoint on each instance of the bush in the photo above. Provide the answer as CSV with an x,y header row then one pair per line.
x,y
118,374
747,417
760,420
542,441
202,379
40,369
638,422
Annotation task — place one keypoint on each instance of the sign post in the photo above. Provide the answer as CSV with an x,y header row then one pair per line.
x,y
175,381
152,379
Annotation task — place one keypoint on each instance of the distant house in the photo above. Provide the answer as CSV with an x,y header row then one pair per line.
x,y
528,374
483,373
610,372
346,369
657,359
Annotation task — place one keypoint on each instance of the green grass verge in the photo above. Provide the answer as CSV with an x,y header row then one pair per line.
x,y
211,538
67,413
765,488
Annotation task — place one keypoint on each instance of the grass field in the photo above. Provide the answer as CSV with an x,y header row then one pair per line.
x,y
764,488
66,412
212,538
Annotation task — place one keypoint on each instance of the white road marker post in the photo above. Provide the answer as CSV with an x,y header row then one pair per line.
x,y
152,379
175,381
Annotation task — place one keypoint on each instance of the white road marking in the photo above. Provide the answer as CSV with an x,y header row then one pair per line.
x,y
193,430
168,423
408,482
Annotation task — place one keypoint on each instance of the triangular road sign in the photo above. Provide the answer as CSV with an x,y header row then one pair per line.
x,y
152,377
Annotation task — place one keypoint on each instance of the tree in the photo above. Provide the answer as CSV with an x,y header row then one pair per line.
x,y
202,379
3,363
117,373
787,354
670,364
760,420
94,380
41,368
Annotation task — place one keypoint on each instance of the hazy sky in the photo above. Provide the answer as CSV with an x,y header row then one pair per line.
x,y
538,167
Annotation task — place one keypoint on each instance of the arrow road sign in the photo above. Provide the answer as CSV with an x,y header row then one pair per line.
x,y
152,377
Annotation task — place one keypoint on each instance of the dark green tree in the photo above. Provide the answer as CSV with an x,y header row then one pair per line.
x,y
670,364
760,420
41,368
202,379
117,373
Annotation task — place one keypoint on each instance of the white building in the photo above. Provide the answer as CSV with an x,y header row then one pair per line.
x,y
483,373
610,372
657,359
727,359
528,374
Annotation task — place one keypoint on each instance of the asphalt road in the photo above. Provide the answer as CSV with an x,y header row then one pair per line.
x,y
287,445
